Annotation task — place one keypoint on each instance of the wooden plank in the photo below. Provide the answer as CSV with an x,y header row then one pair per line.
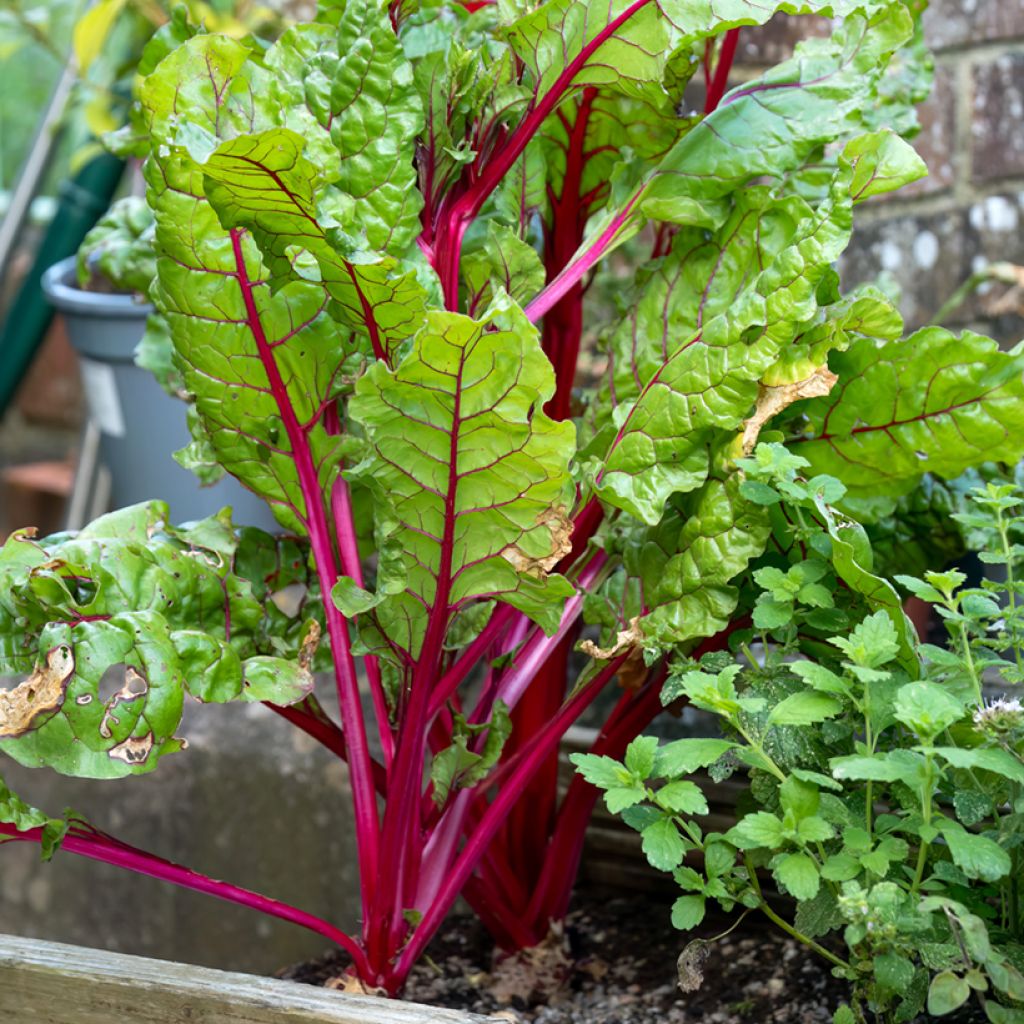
x,y
51,983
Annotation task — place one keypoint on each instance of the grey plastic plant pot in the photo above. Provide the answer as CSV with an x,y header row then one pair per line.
x,y
141,425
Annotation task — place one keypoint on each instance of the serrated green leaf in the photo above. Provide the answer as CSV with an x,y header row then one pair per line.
x,y
640,756
977,856
687,912
799,875
806,708
755,830
685,756
682,797
662,844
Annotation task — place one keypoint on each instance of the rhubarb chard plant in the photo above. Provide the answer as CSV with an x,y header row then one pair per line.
x,y
509,471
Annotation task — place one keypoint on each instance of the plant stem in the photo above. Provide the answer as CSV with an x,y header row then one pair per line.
x,y
314,515
926,815
98,846
785,925
507,794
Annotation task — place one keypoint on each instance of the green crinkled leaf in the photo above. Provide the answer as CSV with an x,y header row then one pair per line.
x,y
263,182
549,38
375,116
768,127
934,402
708,382
475,475
882,162
122,620
686,563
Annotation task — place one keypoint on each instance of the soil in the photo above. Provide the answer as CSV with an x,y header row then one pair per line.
x,y
617,964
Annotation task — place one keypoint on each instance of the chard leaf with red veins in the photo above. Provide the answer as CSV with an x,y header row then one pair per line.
x,y
933,402
263,183
766,128
476,476
709,382
156,611
261,364
621,43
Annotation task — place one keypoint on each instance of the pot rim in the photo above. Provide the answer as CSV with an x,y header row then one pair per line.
x,y
58,284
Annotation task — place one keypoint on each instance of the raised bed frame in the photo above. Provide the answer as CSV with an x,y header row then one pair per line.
x,y
51,983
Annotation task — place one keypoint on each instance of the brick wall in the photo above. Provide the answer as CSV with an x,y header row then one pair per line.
x,y
931,236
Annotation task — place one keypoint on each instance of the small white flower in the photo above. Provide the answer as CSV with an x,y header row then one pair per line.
x,y
1000,714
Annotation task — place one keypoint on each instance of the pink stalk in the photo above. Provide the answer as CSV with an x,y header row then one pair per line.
x,y
530,759
104,848
348,549
561,860
454,223
402,825
539,647
363,796
572,273
466,661
717,84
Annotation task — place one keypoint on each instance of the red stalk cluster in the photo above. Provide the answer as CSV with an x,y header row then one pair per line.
x,y
506,843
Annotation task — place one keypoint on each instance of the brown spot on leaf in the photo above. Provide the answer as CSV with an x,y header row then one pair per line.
x,y
40,694
556,520
133,750
135,685
310,642
772,400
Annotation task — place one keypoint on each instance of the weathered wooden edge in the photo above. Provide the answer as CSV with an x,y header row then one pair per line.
x,y
53,983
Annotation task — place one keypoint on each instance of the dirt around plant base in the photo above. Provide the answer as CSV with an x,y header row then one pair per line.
x,y
622,969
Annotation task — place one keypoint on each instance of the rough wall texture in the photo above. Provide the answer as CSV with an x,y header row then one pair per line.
x,y
932,236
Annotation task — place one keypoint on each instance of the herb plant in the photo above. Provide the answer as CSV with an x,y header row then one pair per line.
x,y
373,242
890,808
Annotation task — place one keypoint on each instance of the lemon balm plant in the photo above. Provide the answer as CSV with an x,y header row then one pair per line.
x,y
886,801
373,240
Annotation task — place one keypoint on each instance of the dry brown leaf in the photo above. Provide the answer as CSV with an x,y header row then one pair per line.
x,y
41,693
352,986
558,523
539,974
772,400
691,965
624,640
310,642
